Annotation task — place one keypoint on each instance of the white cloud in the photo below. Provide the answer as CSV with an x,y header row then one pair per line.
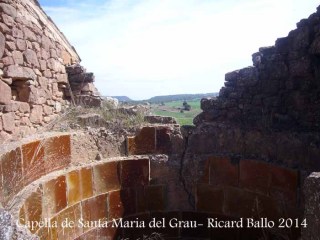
x,y
147,48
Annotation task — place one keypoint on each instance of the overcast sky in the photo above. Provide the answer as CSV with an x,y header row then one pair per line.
x,y
143,48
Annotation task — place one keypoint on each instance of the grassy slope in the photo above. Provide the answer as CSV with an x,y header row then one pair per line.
x,y
170,109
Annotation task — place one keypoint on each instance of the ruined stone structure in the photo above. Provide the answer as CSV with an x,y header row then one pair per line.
x,y
34,83
251,153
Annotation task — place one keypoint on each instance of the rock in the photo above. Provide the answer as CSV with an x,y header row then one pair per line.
x,y
4,28
8,9
24,107
2,44
17,33
5,90
29,35
20,73
160,120
31,57
21,44
91,120
36,114
8,122
17,57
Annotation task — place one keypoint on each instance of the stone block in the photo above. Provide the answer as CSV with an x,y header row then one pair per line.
x,y
8,9
20,73
106,177
8,122
223,172
21,44
2,44
36,114
54,196
209,199
33,161
31,58
6,95
134,173
57,152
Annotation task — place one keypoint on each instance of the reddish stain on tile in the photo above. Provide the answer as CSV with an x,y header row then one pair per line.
x,y
33,161
106,177
209,199
134,173
11,171
54,196
74,190
223,172
57,152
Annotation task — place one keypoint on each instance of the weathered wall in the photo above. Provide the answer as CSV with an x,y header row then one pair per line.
x,y
271,109
33,79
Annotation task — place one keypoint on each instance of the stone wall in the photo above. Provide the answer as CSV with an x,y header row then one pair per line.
x,y
33,78
269,110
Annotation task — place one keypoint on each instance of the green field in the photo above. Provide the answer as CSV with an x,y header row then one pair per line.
x,y
171,109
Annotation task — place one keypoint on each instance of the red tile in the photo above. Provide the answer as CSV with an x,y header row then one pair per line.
x,y
106,177
155,198
33,161
86,183
255,176
95,208
223,172
55,196
11,171
33,209
209,199
74,190
68,219
242,203
121,203
134,173
57,152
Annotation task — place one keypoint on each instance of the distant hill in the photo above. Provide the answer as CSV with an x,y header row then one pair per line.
x,y
167,98
123,98
179,97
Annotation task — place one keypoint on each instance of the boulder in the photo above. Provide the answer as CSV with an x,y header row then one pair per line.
x,y
19,73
